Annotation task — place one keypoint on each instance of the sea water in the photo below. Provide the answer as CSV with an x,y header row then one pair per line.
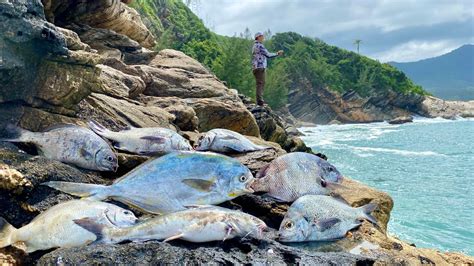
x,y
426,166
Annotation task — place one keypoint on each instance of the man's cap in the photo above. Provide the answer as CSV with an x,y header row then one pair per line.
x,y
258,34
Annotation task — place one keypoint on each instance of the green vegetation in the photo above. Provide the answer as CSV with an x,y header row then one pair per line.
x,y
306,61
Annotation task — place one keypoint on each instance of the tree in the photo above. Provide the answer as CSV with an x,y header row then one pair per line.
x,y
357,43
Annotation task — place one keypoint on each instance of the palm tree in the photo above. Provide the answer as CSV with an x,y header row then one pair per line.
x,y
357,42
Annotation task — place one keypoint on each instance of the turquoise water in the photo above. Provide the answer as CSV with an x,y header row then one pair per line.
x,y
426,166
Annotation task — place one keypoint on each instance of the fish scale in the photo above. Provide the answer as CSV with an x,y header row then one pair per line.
x,y
293,175
321,218
171,182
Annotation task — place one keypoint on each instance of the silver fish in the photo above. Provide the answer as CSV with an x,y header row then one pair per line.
x,y
226,141
322,218
171,182
144,141
293,175
55,227
202,224
70,144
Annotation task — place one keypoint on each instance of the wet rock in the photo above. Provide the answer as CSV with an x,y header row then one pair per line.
x,y
177,252
401,120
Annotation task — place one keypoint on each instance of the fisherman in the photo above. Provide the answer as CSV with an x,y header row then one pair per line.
x,y
259,64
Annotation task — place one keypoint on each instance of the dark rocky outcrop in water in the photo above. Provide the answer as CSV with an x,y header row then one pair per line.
x,y
94,66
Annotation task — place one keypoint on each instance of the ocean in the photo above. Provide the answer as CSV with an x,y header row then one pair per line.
x,y
426,166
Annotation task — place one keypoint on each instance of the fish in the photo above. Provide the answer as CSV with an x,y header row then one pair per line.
x,y
171,182
322,218
226,141
143,141
69,144
293,175
197,224
55,227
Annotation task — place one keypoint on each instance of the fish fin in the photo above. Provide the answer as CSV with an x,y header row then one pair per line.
x,y
325,224
58,126
159,140
98,128
94,226
367,210
140,204
174,237
87,155
263,171
7,232
199,184
13,133
266,195
92,191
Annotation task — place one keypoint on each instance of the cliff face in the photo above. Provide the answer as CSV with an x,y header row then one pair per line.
x,y
322,106
78,71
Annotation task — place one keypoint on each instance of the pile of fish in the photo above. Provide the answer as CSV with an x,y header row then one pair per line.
x,y
179,189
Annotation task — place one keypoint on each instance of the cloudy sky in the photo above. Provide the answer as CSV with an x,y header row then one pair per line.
x,y
390,30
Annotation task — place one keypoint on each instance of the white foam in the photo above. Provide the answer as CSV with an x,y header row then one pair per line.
x,y
397,151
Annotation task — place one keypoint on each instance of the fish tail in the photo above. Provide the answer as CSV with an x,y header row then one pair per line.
x,y
367,210
13,133
7,233
99,129
90,191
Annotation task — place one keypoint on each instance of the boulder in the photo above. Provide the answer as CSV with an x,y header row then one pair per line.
x,y
435,107
105,14
401,120
169,58
118,84
123,112
185,116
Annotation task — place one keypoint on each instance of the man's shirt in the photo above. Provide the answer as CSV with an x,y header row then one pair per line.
x,y
260,55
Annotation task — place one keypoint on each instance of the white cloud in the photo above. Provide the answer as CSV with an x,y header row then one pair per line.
x,y
336,21
415,50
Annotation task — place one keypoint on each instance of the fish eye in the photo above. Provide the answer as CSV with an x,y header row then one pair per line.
x,y
243,178
289,225
127,213
110,159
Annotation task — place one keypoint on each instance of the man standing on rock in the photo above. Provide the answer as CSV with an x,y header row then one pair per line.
x,y
259,64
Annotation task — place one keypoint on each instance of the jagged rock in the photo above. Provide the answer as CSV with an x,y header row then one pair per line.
x,y
401,120
169,58
321,105
73,41
36,62
125,112
185,116
435,107
118,84
105,14
12,180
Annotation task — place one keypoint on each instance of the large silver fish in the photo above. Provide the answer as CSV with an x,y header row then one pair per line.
x,y
322,218
293,175
56,228
144,141
224,140
201,224
171,182
70,144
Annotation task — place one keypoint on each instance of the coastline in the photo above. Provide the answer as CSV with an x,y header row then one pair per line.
x,y
87,72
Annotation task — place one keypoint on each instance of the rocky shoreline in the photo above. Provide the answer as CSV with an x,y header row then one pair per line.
x,y
80,68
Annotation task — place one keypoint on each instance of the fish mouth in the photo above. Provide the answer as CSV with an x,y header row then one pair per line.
x,y
248,188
